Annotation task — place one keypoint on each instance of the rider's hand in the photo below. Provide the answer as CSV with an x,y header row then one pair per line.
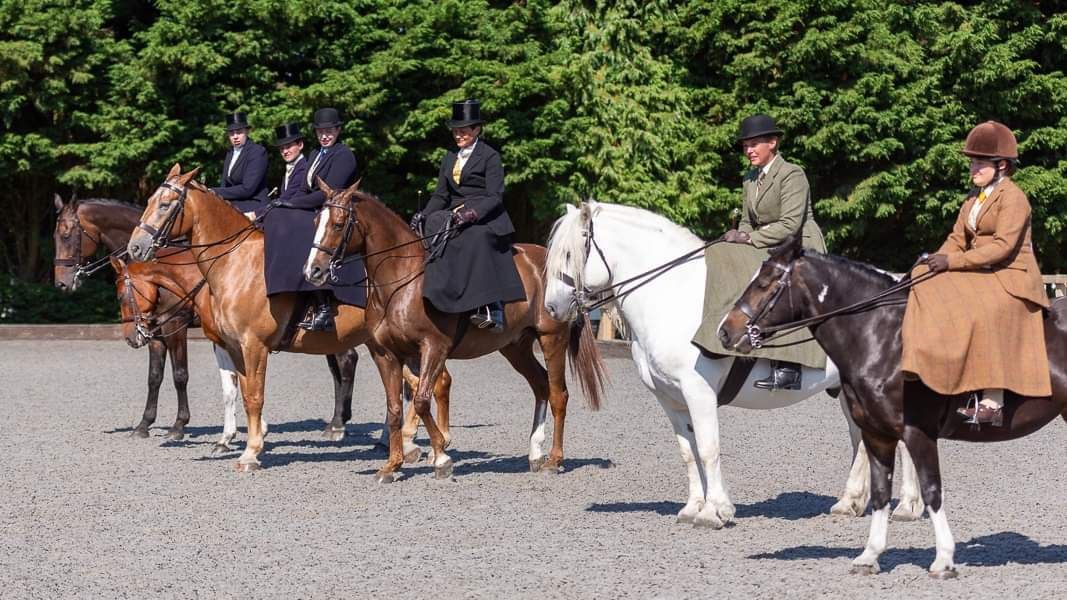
x,y
417,220
464,216
937,263
736,237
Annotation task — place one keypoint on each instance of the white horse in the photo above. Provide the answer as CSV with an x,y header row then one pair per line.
x,y
662,318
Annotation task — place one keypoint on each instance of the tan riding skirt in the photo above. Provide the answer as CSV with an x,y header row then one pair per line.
x,y
964,332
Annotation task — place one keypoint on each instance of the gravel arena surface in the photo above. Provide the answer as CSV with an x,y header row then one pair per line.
x,y
88,512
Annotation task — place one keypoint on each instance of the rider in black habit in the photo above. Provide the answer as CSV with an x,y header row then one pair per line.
x,y
244,170
476,271
289,226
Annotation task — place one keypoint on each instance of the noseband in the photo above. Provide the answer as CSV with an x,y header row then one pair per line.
x,y
161,236
139,319
77,262
752,327
337,253
582,295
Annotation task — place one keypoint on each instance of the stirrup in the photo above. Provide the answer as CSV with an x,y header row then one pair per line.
x,y
320,318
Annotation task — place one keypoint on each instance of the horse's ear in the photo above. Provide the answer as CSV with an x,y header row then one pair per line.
x,y
355,186
790,249
570,208
58,202
325,187
175,171
191,175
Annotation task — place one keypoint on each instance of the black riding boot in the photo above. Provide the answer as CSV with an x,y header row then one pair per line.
x,y
320,318
490,316
784,376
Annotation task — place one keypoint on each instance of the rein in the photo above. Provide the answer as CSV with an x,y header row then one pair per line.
x,y
142,321
83,271
758,335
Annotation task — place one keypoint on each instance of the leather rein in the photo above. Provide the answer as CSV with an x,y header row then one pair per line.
x,y
143,322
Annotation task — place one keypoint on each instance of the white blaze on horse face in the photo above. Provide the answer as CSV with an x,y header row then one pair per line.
x,y
324,219
822,294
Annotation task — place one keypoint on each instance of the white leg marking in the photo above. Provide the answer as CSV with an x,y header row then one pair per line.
x,y
911,501
537,436
946,545
228,375
858,487
876,541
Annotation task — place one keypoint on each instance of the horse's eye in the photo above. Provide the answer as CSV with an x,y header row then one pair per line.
x,y
338,226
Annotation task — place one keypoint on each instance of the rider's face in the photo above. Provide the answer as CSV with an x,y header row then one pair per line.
x,y
291,150
465,136
983,172
238,137
327,136
760,150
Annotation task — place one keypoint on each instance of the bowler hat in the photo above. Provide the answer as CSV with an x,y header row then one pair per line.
x,y
237,120
465,114
757,125
326,117
290,132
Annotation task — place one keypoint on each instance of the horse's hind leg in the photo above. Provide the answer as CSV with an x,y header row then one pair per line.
x,y
252,384
522,359
883,454
343,368
178,346
923,448
157,363
228,376
911,504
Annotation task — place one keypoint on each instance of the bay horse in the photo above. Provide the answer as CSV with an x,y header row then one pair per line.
x,y
404,326
83,227
866,344
228,252
596,247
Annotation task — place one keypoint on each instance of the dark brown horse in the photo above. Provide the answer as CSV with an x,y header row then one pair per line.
x,y
405,327
228,252
83,227
866,346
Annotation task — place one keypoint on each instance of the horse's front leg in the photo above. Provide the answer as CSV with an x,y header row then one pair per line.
x,y
910,507
883,454
412,451
683,432
252,384
157,362
923,448
431,365
177,345
704,408
853,501
390,370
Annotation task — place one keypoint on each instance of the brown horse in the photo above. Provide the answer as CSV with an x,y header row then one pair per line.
x,y
405,327
856,313
83,227
228,252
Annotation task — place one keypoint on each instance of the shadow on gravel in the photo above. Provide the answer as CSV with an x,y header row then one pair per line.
x,y
790,506
665,509
996,550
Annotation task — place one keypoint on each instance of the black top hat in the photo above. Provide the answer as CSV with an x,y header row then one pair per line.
x,y
237,120
326,117
465,114
758,125
290,132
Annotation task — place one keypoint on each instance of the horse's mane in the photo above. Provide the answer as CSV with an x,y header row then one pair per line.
x,y
361,196
566,244
867,271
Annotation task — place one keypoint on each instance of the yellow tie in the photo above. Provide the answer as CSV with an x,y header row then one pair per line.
x,y
456,170
981,196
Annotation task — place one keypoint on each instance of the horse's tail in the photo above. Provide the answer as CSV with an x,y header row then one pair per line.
x,y
586,364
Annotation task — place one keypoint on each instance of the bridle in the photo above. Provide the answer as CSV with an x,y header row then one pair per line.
x,y
752,327
81,271
143,322
337,253
161,236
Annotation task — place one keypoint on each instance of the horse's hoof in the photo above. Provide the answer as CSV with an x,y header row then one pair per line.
x,y
175,436
389,477
248,467
218,449
443,470
847,508
536,464
864,569
139,433
685,519
334,435
946,574
413,456
906,512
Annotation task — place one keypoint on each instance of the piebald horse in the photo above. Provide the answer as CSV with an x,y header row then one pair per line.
x,y
597,246
866,344
228,253
404,326
83,227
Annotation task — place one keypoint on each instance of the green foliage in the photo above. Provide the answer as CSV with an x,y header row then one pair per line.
x,y
625,101
27,302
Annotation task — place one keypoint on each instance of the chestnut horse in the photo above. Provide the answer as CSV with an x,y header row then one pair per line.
x,y
405,327
82,228
228,252
863,338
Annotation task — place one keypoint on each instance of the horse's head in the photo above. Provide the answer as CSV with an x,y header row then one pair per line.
x,y
137,302
767,301
337,233
72,245
571,273
163,218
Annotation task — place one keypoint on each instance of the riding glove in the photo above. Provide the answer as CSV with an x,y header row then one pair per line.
x,y
464,216
937,263
416,221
